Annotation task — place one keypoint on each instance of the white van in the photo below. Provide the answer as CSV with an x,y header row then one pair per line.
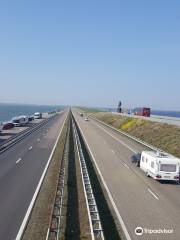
x,y
37,115
160,166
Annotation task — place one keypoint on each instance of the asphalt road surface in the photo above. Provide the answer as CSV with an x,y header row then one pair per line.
x,y
141,201
21,168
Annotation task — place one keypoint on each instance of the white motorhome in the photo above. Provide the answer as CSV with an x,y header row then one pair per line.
x,y
160,166
37,115
20,121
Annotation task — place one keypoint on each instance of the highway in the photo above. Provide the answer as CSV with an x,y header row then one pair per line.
x,y
140,201
21,168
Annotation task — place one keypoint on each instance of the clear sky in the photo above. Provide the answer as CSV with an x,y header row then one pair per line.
x,y
91,52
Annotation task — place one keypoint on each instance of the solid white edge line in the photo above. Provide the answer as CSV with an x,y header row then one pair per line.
x,y
26,218
154,195
19,159
107,189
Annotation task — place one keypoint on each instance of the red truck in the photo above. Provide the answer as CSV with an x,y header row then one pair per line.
x,y
145,112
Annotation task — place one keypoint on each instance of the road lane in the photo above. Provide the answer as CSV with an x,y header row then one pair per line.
x,y
18,180
141,201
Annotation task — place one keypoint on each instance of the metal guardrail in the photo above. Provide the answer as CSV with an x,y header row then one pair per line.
x,y
18,134
94,218
55,220
12,141
130,136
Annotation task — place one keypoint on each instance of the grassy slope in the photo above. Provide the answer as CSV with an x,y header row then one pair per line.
x,y
164,136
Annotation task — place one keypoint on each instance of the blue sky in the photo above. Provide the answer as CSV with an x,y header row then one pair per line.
x,y
91,53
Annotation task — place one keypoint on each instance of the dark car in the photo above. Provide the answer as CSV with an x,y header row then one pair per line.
x,y
136,159
7,126
31,118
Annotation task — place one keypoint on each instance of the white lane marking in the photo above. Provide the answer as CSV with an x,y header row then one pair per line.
x,y
18,160
30,148
149,190
107,189
26,217
126,165
124,144
154,195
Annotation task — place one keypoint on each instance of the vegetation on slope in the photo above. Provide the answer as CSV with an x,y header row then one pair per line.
x,y
164,136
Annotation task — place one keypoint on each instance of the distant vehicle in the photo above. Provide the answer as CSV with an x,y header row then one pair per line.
x,y
81,114
37,115
20,121
145,112
31,118
160,166
7,125
86,119
1,126
136,159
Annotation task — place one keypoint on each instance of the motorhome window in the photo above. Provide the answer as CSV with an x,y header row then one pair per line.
x,y
152,164
142,158
168,167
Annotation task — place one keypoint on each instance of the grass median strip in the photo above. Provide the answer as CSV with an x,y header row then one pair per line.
x,y
75,224
74,217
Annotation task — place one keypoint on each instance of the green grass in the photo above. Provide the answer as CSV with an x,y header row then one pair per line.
x,y
164,136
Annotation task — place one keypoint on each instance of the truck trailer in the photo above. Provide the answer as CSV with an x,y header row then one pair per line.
x,y
160,166
145,112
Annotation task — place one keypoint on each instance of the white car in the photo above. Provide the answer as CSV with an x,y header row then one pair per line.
x,y
86,119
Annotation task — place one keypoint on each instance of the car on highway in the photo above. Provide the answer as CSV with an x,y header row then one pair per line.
x,y
7,125
31,118
86,119
136,159
1,126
